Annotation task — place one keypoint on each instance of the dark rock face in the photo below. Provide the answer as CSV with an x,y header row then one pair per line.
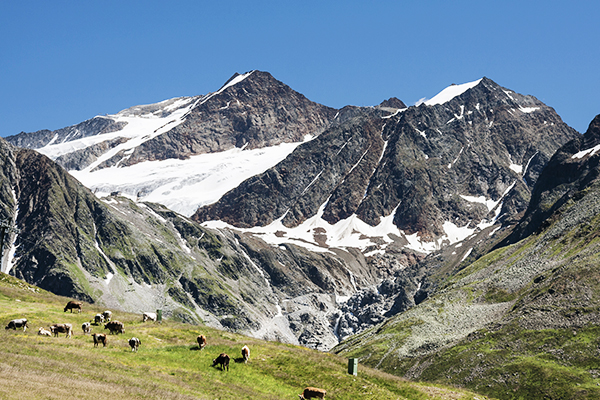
x,y
539,288
566,174
416,163
257,112
303,181
392,102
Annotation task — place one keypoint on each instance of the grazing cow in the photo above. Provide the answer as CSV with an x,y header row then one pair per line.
x,y
44,332
312,392
62,328
201,339
107,315
148,316
17,323
134,343
245,353
98,319
100,338
73,305
86,327
223,360
115,327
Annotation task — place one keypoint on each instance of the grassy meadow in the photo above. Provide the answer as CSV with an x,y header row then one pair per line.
x,y
169,364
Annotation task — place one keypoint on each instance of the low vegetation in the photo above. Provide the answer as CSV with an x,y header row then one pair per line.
x,y
169,363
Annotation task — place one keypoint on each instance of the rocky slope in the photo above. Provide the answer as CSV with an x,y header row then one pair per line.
x,y
521,321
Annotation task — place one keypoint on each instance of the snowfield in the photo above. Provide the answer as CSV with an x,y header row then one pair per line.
x,y
184,185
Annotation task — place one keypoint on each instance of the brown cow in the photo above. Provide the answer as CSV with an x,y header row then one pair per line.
x,y
223,360
245,354
73,304
100,338
62,328
201,339
115,327
312,392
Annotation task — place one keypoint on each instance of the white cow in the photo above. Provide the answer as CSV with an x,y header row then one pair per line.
x,y
44,332
148,316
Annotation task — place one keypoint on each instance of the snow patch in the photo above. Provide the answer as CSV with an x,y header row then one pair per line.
x,y
517,168
451,92
528,110
398,111
590,152
467,254
489,203
109,277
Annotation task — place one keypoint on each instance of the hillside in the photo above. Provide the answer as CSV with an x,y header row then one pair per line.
x,y
168,363
523,320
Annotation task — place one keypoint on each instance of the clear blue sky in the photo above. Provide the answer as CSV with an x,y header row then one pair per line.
x,y
62,62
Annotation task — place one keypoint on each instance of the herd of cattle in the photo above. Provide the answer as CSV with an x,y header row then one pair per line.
x,y
116,327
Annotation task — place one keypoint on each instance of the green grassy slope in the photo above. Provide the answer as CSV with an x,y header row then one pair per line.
x,y
169,364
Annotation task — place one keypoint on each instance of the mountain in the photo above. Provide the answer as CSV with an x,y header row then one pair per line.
x,y
430,175
173,151
316,223
522,320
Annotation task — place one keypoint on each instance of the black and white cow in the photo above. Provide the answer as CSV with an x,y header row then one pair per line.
x,y
134,343
17,323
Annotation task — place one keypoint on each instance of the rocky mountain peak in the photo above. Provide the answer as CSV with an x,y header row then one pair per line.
x,y
251,110
392,102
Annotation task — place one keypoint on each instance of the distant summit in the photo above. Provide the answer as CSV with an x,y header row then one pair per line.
x,y
392,102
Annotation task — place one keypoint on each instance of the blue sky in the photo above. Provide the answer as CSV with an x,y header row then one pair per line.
x,y
63,62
